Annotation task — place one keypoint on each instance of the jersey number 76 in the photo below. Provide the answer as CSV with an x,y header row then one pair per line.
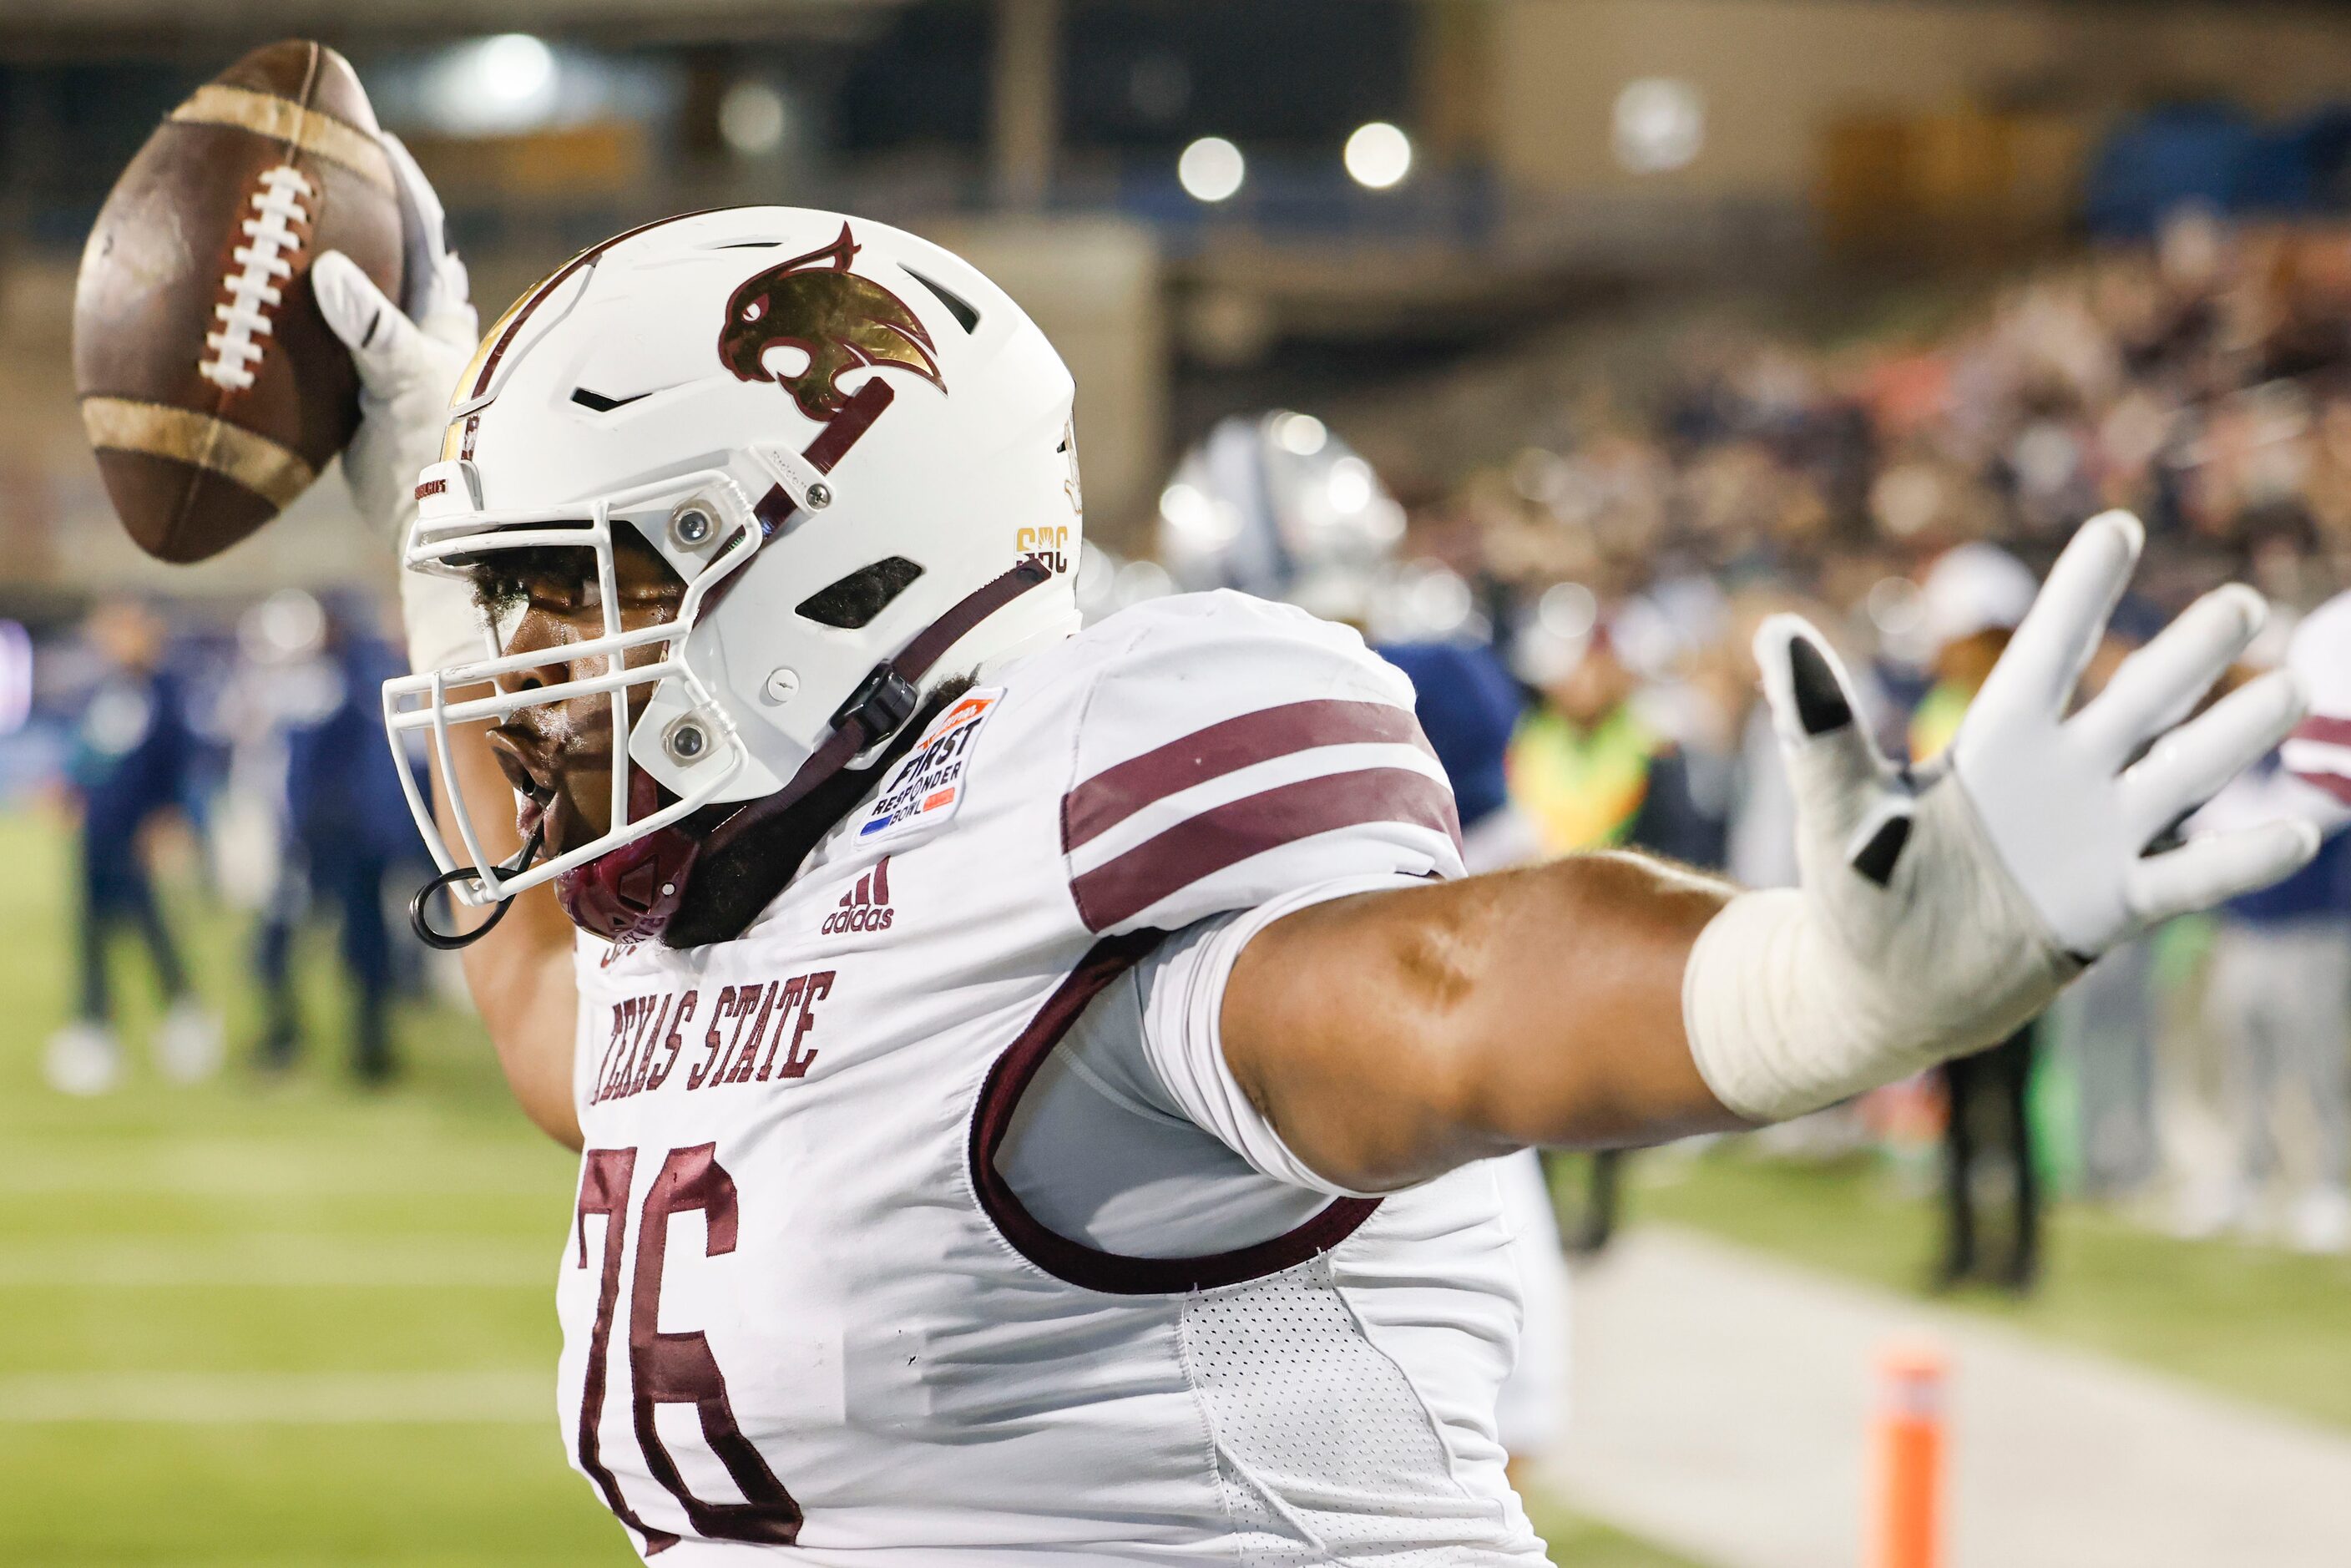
x,y
670,1368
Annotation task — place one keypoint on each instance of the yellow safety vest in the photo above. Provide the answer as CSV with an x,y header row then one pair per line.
x,y
1581,788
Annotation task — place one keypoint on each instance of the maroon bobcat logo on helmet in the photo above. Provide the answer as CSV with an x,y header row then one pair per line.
x,y
841,320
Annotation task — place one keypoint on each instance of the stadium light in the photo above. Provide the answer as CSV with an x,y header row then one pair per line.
x,y
1378,155
1658,124
1350,485
1211,169
501,84
514,67
751,117
1301,434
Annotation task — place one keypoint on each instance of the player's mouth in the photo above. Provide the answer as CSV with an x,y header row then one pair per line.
x,y
522,757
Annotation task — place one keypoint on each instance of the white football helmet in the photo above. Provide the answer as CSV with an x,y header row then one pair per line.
x,y
778,401
1277,506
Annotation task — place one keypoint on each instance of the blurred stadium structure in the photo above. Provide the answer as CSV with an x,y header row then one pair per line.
x,y
1655,315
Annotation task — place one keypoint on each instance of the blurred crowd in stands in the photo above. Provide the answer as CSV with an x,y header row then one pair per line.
x,y
2200,381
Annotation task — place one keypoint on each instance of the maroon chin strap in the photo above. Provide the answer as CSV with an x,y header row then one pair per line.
x,y
632,892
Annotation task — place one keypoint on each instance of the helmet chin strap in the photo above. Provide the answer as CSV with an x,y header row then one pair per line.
x,y
635,892
631,893
449,942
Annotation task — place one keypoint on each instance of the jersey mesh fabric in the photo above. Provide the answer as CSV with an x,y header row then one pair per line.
x,y
1324,1452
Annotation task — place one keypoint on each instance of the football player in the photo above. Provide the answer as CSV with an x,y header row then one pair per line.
x,y
1034,1089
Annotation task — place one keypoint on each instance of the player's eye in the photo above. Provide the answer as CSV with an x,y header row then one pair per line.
x,y
563,591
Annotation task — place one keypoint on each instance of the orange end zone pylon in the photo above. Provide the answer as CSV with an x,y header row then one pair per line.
x,y
1908,1526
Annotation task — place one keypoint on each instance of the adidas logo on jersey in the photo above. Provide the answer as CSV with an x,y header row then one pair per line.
x,y
866,907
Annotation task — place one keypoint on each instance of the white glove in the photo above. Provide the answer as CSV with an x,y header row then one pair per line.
x,y
1942,911
408,363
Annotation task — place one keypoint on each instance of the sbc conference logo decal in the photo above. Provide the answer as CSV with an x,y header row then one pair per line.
x,y
928,786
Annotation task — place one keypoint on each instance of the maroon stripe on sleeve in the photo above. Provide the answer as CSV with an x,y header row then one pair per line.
x,y
2335,784
1112,796
1200,846
2324,730
1089,1267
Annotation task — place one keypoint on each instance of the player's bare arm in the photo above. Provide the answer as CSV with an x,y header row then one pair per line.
x,y
1608,999
1389,1037
520,973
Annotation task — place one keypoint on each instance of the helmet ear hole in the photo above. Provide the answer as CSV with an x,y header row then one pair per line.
x,y
855,600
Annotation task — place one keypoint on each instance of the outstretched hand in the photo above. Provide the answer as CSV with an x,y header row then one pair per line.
x,y
1942,908
2068,803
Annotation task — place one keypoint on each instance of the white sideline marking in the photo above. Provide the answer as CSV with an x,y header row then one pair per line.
x,y
279,1398
1723,1401
206,1168
289,1261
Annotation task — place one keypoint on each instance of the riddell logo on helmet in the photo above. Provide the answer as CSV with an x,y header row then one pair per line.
x,y
866,907
841,320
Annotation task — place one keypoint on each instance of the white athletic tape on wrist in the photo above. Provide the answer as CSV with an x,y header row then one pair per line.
x,y
1783,1020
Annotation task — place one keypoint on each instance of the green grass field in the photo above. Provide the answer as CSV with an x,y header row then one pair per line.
x,y
2254,1322
293,1322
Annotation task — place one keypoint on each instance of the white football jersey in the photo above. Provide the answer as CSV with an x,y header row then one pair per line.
x,y
801,1308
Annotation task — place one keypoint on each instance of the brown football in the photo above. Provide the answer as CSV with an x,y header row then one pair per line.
x,y
211,387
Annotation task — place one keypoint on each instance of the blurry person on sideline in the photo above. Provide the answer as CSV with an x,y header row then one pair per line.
x,y
347,827
130,760
2279,996
279,681
1586,766
1973,597
1468,707
1277,506
1590,772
